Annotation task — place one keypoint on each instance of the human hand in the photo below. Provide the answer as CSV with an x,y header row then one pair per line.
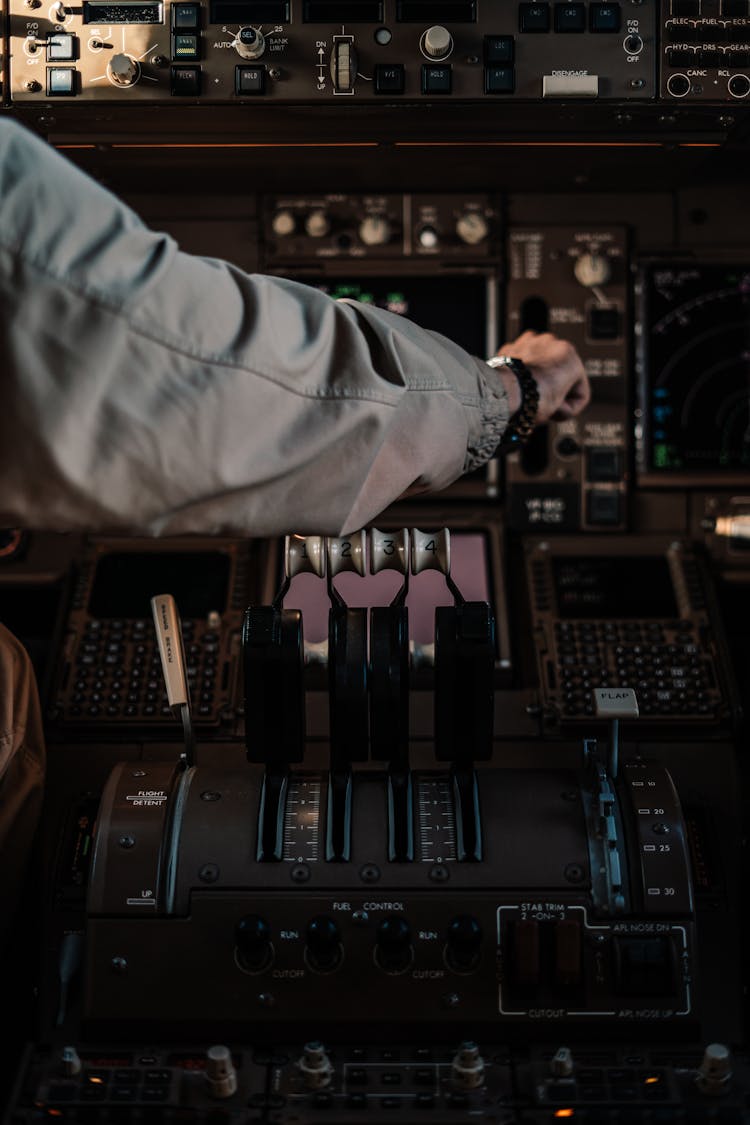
x,y
564,389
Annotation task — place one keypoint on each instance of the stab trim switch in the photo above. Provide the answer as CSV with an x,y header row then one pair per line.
x,y
467,1068
221,1077
315,1066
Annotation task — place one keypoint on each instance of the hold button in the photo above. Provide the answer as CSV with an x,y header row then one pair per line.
x,y
249,80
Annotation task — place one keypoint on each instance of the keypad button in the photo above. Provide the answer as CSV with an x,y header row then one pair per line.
x,y
390,78
437,78
534,17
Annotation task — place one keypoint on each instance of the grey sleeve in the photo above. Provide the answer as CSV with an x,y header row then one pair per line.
x,y
150,390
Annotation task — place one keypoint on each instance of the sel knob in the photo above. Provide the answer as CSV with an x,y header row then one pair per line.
x,y
437,42
592,269
123,71
375,230
249,43
472,228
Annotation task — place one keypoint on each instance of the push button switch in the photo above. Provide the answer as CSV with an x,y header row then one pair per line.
x,y
499,49
249,80
436,78
499,80
570,17
60,47
389,78
185,46
605,464
604,17
604,508
186,81
533,17
61,81
186,17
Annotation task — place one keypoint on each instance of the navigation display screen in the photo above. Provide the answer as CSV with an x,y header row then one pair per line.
x,y
614,588
454,306
697,366
125,582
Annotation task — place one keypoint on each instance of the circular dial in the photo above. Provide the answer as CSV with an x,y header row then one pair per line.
x,y
472,228
317,224
249,43
437,42
123,70
283,223
592,269
375,230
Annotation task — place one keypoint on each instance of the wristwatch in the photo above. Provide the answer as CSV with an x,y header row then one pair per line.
x,y
522,422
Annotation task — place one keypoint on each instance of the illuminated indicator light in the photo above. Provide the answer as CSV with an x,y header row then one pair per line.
x,y
54,1113
565,1112
651,1081
100,1081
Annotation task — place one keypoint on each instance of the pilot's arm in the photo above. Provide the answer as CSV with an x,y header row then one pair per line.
x,y
148,389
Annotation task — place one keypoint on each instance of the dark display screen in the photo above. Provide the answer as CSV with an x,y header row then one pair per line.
x,y
614,587
697,368
453,306
125,583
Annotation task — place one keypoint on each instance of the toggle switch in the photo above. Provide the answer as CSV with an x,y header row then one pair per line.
x,y
394,951
323,951
463,943
252,938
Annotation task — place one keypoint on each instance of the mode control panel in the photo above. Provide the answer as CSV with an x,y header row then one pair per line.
x,y
318,51
392,226
573,474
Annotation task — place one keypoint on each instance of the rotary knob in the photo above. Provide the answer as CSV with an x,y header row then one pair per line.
x,y
323,940
592,269
123,70
375,230
220,1075
394,951
249,43
472,228
252,936
283,223
428,238
317,224
437,42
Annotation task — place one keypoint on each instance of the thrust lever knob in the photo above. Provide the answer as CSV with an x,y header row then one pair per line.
x,y
122,70
221,1077
714,1075
437,42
